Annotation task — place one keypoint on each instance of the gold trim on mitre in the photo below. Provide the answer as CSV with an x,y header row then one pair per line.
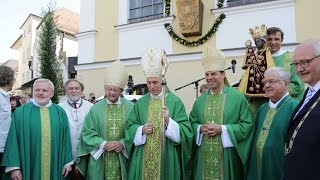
x,y
116,75
258,32
154,63
213,60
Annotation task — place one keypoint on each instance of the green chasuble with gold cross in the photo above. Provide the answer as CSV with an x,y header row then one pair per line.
x,y
211,160
104,122
267,150
38,142
296,87
156,159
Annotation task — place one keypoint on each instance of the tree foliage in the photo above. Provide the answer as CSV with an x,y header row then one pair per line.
x,y
49,64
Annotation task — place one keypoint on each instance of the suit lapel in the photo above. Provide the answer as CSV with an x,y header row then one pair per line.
x,y
308,105
298,106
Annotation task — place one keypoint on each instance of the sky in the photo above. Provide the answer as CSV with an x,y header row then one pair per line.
x,y
14,12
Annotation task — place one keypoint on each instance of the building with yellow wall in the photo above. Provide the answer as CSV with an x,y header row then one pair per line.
x,y
111,30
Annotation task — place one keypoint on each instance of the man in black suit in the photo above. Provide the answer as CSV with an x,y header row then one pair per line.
x,y
303,136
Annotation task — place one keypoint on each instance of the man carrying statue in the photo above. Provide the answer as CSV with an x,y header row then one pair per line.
x,y
283,59
256,62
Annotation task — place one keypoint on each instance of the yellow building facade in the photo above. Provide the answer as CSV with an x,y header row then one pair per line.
x,y
111,30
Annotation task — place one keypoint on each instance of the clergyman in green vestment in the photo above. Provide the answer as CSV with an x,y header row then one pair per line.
x,y
267,150
38,145
284,59
223,125
102,151
161,136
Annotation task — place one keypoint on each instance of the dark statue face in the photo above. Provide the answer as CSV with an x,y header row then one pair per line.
x,y
259,43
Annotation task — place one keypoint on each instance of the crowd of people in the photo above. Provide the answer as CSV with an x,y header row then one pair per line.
x,y
224,137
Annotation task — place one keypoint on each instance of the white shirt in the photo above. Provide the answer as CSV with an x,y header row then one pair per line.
x,y
76,120
316,88
172,131
5,118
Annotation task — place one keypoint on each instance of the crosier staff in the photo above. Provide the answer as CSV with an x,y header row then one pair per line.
x,y
164,64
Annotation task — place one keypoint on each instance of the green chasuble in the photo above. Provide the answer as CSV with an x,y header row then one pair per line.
x,y
230,108
267,151
38,142
170,164
296,88
104,122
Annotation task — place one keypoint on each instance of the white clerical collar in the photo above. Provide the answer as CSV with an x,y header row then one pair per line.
x,y
274,105
4,92
118,102
157,96
216,93
36,104
278,53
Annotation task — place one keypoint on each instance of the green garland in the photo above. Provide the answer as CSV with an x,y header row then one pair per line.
x,y
204,38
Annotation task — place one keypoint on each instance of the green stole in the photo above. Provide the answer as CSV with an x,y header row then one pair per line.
x,y
114,132
264,135
45,143
212,149
152,148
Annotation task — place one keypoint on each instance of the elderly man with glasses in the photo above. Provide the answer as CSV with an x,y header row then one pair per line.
x,y
303,136
267,157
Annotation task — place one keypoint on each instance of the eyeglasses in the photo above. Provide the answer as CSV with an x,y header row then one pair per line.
x,y
271,81
303,63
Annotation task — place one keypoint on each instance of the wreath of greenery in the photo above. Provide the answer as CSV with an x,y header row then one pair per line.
x,y
201,40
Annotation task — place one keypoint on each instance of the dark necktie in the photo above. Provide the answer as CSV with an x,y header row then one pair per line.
x,y
75,105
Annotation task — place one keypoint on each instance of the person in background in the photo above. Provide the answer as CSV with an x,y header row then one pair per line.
x,y
6,84
23,98
92,98
76,109
283,59
203,88
14,102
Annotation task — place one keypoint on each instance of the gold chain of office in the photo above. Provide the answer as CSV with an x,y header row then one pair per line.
x,y
201,40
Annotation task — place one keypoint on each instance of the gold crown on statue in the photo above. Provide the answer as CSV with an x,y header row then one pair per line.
x,y
154,63
213,60
258,31
116,75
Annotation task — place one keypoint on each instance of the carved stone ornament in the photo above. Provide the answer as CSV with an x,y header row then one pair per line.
x,y
190,15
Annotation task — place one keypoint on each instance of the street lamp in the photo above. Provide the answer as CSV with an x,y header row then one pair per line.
x,y
30,67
